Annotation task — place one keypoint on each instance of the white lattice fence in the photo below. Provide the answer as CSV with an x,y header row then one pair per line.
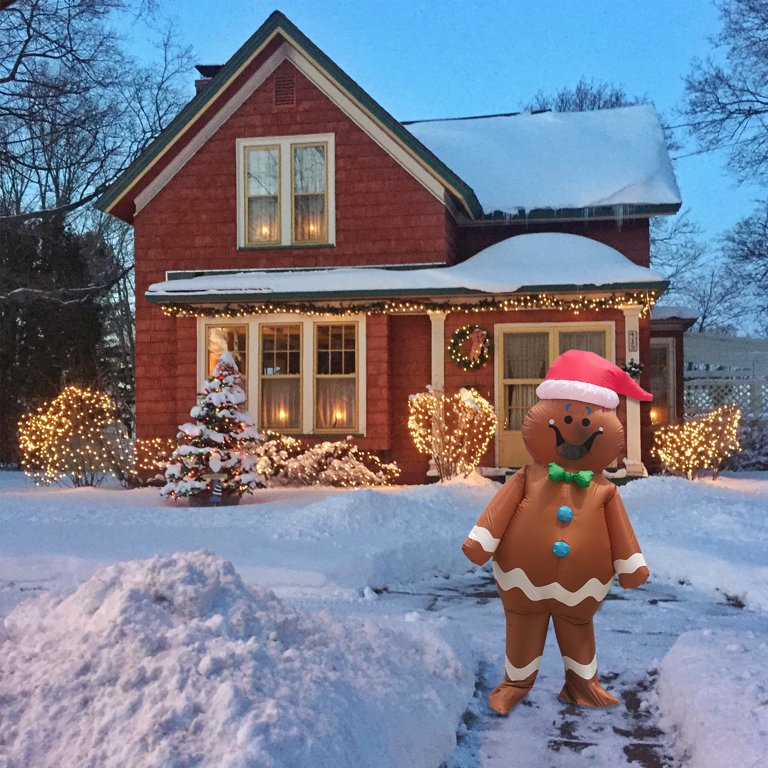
x,y
702,395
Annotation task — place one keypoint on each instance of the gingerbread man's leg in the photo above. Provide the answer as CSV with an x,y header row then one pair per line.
x,y
576,638
527,624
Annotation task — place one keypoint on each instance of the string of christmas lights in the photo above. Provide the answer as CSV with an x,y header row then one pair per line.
x,y
453,429
65,439
699,444
539,301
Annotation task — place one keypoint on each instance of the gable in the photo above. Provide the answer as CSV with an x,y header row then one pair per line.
x,y
276,41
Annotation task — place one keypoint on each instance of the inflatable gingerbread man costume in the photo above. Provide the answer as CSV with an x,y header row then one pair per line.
x,y
558,530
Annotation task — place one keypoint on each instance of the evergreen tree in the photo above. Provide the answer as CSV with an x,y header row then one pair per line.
x,y
216,454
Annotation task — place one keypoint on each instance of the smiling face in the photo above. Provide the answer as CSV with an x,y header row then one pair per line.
x,y
575,435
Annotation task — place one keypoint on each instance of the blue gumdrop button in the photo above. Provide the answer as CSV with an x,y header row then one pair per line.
x,y
561,548
565,514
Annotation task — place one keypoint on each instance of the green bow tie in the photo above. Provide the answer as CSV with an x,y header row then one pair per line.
x,y
581,478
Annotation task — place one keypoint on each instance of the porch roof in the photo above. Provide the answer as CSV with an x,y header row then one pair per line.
x,y
544,262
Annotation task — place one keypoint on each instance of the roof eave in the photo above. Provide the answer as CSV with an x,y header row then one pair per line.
x,y
413,293
602,212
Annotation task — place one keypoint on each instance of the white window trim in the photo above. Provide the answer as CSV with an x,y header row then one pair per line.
x,y
307,361
286,187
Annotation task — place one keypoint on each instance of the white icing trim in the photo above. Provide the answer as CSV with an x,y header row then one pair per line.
x,y
563,389
587,671
554,591
631,564
520,673
484,538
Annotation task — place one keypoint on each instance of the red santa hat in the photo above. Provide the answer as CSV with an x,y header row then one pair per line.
x,y
588,378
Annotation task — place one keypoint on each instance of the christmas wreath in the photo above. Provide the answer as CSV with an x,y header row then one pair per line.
x,y
478,341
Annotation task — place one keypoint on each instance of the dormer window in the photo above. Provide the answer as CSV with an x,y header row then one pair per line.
x,y
286,191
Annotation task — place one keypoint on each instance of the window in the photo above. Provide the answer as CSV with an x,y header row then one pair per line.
x,y
286,191
280,378
335,377
307,373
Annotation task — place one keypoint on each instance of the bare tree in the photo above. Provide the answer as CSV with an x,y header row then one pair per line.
x,y
75,110
716,292
727,99
746,250
677,247
585,96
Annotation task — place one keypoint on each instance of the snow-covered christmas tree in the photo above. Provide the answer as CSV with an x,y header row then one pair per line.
x,y
215,460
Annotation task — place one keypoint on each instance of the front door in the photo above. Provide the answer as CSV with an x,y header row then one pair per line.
x,y
526,352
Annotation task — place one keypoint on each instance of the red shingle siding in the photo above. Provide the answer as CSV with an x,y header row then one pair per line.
x,y
411,371
631,238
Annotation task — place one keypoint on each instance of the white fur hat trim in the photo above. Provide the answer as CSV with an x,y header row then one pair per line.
x,y
562,389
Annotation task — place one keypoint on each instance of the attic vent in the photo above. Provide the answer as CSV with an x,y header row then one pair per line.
x,y
285,90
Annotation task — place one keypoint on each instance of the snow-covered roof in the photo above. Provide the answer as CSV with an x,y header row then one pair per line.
x,y
546,260
667,312
557,160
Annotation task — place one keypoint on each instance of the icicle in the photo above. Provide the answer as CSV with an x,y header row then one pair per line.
x,y
618,212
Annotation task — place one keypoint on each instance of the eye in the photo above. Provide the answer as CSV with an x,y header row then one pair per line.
x,y
568,419
551,422
585,422
600,429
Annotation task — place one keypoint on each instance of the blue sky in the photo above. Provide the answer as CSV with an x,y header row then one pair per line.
x,y
451,58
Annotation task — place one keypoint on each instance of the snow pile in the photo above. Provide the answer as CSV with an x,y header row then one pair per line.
x,y
712,695
175,662
709,534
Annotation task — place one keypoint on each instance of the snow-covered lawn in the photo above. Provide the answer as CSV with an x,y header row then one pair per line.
x,y
352,632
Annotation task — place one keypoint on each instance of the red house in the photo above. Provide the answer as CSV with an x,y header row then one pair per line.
x,y
341,255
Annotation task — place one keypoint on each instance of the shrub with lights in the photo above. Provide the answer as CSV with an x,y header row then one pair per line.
x,y
70,438
700,444
286,460
215,460
453,429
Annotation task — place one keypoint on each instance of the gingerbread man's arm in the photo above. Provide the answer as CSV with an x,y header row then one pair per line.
x,y
628,560
484,537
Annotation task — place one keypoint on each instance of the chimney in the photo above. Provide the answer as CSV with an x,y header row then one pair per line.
x,y
207,73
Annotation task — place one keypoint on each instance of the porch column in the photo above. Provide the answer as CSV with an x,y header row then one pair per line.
x,y
438,350
633,462
438,366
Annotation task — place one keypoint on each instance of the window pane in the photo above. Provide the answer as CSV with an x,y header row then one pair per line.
x,y
280,350
263,226
587,341
518,399
336,407
262,191
263,172
526,355
280,403
309,218
232,338
349,362
309,170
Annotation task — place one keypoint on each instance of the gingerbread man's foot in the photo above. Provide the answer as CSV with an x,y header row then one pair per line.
x,y
505,695
586,693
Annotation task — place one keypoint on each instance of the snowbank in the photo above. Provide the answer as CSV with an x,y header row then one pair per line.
x,y
712,535
710,695
175,662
